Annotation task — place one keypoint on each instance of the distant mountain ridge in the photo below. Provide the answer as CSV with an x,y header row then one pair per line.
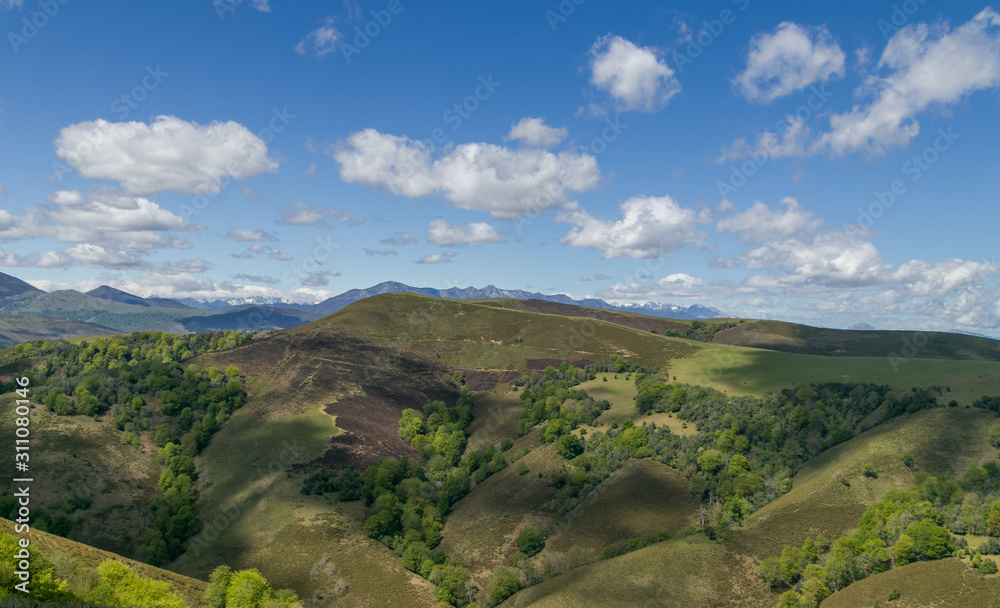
x,y
108,309
335,303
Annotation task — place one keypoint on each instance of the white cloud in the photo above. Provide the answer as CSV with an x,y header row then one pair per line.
x,y
279,255
384,252
484,177
301,214
760,224
245,234
650,226
263,6
124,229
635,77
167,154
534,132
443,233
321,41
437,258
3,191
927,65
789,60
10,4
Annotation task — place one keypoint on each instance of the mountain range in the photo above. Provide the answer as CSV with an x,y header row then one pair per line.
x,y
106,310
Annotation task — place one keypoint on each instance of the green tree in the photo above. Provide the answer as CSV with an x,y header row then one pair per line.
x,y
903,552
218,583
569,446
505,583
247,589
530,541
710,461
788,599
120,586
993,434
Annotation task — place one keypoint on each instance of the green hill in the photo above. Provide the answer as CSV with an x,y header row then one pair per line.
x,y
70,555
802,339
330,393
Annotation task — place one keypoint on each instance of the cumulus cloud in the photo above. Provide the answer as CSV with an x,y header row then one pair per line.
x,y
477,233
321,41
788,60
125,229
437,258
245,234
926,65
760,223
169,154
376,252
485,177
649,227
263,6
279,255
635,77
534,132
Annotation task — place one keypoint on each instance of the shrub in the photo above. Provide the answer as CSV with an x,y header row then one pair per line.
x,y
530,541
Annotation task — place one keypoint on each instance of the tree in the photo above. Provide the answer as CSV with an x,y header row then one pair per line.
x,y
788,599
569,446
930,541
530,541
710,461
770,570
218,582
994,434
903,552
505,583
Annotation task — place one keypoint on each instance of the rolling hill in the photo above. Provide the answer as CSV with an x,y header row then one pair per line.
x,y
329,394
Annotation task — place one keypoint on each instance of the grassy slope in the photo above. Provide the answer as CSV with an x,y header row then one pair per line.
x,y
482,527
641,498
942,441
15,330
254,513
802,339
64,551
946,583
80,455
686,572
467,335
746,370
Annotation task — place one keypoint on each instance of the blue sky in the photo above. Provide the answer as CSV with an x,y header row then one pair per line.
x,y
826,163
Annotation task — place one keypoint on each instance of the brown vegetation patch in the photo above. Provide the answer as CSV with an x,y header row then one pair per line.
x,y
484,380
